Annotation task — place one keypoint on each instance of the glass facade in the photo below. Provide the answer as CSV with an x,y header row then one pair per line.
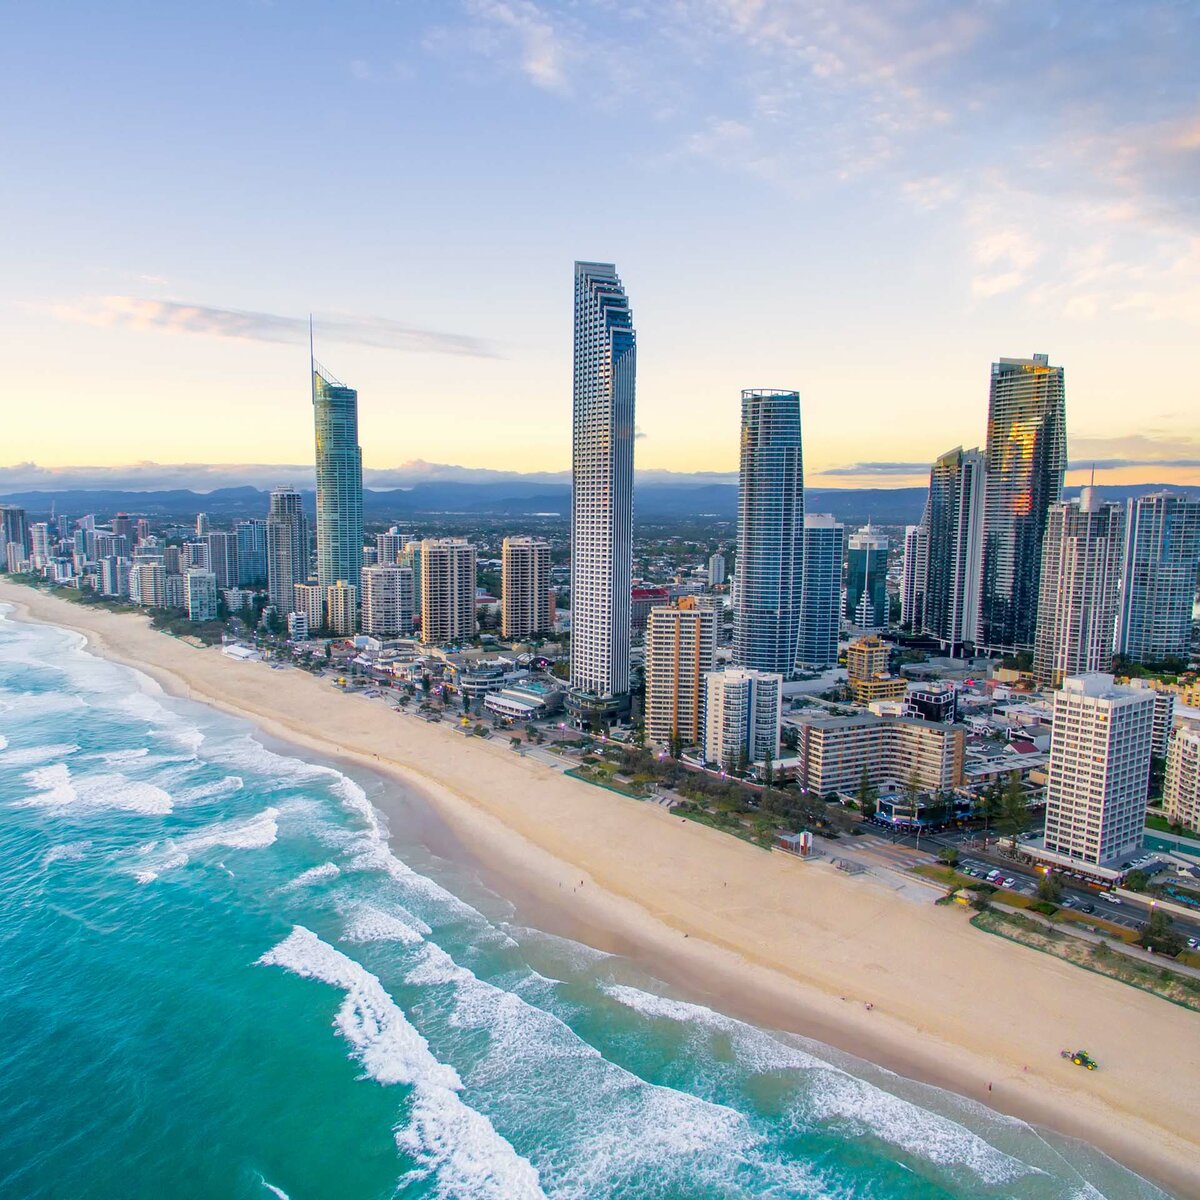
x,y
287,548
769,580
339,480
954,546
820,606
601,490
1026,459
866,579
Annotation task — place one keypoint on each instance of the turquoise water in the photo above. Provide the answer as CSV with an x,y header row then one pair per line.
x,y
218,979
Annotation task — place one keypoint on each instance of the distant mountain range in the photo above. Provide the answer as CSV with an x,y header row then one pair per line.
x,y
653,501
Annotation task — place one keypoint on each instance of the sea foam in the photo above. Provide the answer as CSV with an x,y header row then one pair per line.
x,y
448,1139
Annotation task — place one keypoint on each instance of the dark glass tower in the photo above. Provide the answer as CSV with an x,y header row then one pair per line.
x,y
339,480
1026,460
769,582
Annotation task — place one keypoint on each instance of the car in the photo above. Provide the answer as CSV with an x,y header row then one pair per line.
x,y
1010,882
1109,898
1193,944
1068,902
992,876
1086,907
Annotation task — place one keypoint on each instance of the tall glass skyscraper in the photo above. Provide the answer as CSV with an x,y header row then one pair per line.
x,y
601,494
866,578
1162,552
820,606
1026,459
287,548
954,548
251,552
339,480
769,582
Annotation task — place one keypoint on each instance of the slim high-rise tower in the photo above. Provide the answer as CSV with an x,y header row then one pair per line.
x,y
769,581
1162,551
954,548
339,479
601,494
1077,605
820,608
525,587
1026,459
287,548
866,578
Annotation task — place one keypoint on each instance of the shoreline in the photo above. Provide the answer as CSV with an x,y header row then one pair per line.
x,y
784,944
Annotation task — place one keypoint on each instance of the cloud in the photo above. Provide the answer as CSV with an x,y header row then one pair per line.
x,y
168,316
878,468
1134,450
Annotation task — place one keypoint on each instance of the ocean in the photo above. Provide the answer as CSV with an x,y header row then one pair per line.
x,y
219,978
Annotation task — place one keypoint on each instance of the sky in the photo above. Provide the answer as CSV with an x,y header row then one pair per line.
x,y
867,201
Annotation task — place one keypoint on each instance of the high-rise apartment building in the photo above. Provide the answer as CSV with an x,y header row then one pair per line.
x,y
447,591
1077,604
866,578
148,584
387,601
769,585
124,526
821,594
223,558
1162,552
716,569
202,525
953,524
525,587
1181,785
40,545
14,530
339,479
287,548
1026,459
1099,763
113,576
309,598
602,434
194,554
913,575
742,712
681,646
251,552
200,597
341,608
390,546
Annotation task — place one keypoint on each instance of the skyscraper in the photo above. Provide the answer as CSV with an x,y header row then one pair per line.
x,y
866,578
387,601
1162,552
1181,786
605,371
447,591
339,479
341,608
716,569
769,582
223,558
200,595
287,548
954,548
524,587
1077,603
820,606
1099,762
251,552
14,530
914,574
681,645
1026,459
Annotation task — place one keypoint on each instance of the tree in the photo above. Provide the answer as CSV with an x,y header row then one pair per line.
x,y
948,855
768,771
867,793
1014,809
426,684
912,793
1050,888
1159,935
675,744
1136,881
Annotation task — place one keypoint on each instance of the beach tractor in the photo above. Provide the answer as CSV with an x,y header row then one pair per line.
x,y
1081,1058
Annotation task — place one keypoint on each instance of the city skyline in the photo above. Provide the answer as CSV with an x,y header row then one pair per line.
x,y
888,225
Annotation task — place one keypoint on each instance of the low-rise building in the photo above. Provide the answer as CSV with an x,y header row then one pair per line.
x,y
527,701
1181,787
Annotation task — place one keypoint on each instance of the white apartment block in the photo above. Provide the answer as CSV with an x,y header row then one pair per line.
x,y
1181,789
742,711
341,608
200,595
447,591
387,600
525,587
148,584
1099,765
681,646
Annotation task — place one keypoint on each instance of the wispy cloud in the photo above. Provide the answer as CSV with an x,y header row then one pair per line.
x,y
1135,450
878,468
168,316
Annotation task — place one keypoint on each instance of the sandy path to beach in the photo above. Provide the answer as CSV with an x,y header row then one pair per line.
x,y
760,935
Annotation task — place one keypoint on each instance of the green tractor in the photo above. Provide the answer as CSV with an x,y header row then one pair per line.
x,y
1081,1058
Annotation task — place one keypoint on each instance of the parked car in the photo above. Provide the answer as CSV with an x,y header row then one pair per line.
x,y
1010,882
1109,898
1087,908
1068,902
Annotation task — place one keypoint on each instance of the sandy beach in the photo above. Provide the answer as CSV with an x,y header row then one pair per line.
x,y
791,945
